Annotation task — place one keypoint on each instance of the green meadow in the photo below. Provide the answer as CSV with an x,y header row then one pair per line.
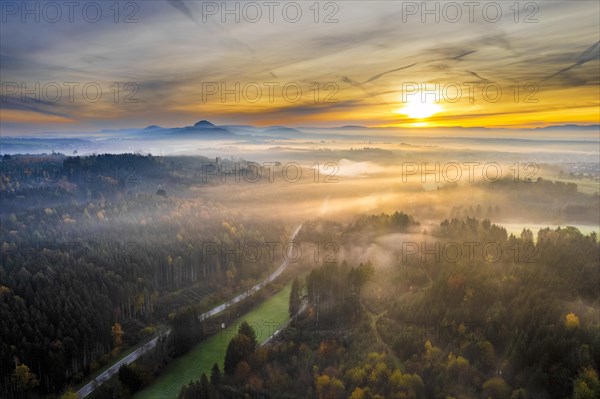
x,y
265,318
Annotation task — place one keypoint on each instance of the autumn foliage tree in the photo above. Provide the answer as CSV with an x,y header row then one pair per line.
x,y
23,379
117,334
240,348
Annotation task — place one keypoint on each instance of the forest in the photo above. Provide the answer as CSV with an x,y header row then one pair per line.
x,y
92,266
102,253
433,329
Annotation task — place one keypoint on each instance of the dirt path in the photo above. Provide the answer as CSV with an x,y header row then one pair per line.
x,y
373,318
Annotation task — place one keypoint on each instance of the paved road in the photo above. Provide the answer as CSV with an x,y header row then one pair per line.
x,y
89,388
256,288
287,323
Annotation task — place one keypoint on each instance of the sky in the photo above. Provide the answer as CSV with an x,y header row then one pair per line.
x,y
96,65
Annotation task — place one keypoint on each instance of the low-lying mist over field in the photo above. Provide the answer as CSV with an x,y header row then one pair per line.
x,y
205,138
505,175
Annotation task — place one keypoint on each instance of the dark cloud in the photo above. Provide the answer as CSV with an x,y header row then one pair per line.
x,y
359,85
313,108
375,77
479,78
590,54
183,8
462,55
32,105
10,62
228,40
378,36
371,93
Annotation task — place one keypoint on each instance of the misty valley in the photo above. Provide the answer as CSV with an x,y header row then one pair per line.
x,y
287,199
391,277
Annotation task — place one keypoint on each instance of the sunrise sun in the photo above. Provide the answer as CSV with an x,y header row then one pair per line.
x,y
419,108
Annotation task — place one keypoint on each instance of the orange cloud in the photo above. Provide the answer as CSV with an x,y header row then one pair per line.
x,y
20,116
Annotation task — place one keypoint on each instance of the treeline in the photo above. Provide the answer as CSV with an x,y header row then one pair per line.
x,y
539,199
28,182
381,224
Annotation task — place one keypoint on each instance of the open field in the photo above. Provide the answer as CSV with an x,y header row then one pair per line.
x,y
587,186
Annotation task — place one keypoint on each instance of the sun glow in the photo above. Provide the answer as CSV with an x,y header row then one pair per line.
x,y
419,108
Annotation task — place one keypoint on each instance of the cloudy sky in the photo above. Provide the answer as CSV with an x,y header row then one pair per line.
x,y
94,65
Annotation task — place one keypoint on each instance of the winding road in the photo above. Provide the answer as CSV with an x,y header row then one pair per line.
x,y
133,356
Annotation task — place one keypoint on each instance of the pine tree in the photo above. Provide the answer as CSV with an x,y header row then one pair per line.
x,y
294,306
248,331
215,375
240,348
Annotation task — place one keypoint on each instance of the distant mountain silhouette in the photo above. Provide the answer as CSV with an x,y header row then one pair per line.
x,y
110,140
202,130
204,124
281,129
573,127
353,127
